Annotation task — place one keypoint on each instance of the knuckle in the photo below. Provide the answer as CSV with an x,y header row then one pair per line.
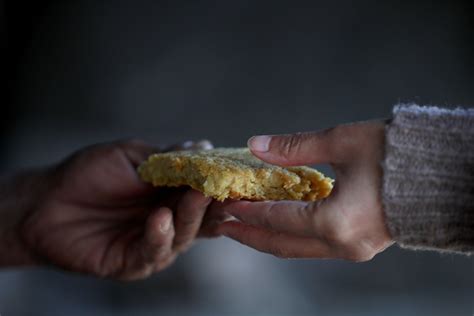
x,y
133,142
165,263
289,145
181,239
360,249
336,227
157,248
359,254
281,252
310,213
132,145
341,139
335,132
159,255
345,234
339,234
152,254
187,221
340,237
112,150
275,248
183,243
268,215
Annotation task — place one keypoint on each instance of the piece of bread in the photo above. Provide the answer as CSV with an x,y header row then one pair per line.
x,y
234,173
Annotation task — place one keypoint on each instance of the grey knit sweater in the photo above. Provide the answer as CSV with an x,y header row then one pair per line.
x,y
428,187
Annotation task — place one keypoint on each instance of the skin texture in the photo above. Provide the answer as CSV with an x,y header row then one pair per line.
x,y
349,224
92,214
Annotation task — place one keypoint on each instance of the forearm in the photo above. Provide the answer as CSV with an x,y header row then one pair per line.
x,y
428,186
19,195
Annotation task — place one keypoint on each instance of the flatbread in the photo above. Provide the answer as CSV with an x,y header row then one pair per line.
x,y
234,173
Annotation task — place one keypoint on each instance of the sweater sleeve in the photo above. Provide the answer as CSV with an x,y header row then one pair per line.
x,y
428,184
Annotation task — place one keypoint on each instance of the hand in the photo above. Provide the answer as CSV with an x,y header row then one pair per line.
x,y
92,214
349,224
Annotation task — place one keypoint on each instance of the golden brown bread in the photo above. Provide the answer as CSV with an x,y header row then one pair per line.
x,y
234,173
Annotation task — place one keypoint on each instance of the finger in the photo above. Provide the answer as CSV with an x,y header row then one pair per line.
x,y
188,218
292,217
294,149
280,245
214,216
159,234
203,145
155,247
191,145
182,146
137,150
169,260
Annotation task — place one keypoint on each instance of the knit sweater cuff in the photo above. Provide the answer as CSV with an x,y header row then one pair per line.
x,y
428,185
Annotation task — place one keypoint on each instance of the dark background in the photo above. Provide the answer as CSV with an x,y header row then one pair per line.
x,y
81,72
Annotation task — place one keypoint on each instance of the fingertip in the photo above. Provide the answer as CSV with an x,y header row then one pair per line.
x,y
259,144
190,212
292,149
204,144
165,225
159,234
187,144
198,197
267,148
160,221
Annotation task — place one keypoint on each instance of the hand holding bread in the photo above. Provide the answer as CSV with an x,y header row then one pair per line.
x,y
349,224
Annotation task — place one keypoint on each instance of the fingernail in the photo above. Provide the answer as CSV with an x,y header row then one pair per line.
x,y
204,144
187,144
165,225
259,143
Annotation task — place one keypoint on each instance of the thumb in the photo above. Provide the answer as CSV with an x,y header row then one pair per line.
x,y
293,149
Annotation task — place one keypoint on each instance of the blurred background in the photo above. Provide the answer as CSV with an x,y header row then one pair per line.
x,y
81,72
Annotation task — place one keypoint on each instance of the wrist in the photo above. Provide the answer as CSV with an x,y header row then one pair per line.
x,y
20,195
